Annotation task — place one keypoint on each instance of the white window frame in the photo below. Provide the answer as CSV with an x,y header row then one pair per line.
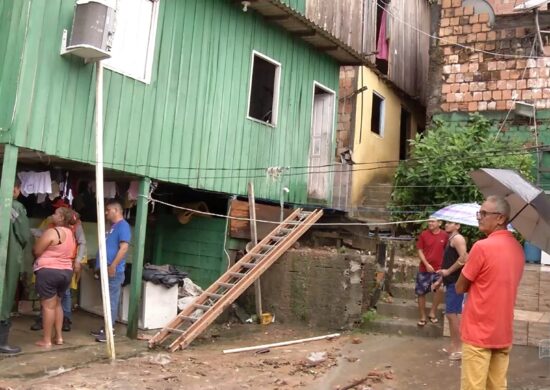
x,y
120,67
382,114
276,89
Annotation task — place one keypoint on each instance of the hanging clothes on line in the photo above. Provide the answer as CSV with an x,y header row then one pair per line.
x,y
109,189
35,182
382,46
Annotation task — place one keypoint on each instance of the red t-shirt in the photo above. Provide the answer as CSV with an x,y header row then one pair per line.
x,y
433,246
494,268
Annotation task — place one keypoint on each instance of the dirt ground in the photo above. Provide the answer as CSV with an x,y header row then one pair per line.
x,y
381,361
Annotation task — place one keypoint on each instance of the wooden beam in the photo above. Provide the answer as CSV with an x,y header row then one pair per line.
x,y
327,48
526,20
254,236
6,198
275,18
305,33
137,257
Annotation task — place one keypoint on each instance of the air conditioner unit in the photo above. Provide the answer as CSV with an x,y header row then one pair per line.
x,y
93,29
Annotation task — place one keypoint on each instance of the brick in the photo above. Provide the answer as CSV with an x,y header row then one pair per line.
x,y
451,78
442,32
453,59
464,68
521,84
472,106
492,105
546,95
501,105
459,78
478,96
468,77
462,107
444,107
490,46
448,30
491,85
506,94
450,97
468,10
481,36
471,38
464,87
526,94
504,74
447,51
476,27
468,97
453,107
487,95
446,4
511,84
455,68
454,88
511,64
445,22
459,97
515,74
446,69
536,83
521,64
484,18
454,21
491,65
457,30
533,73
501,65
467,29
482,106
462,39
473,67
501,84
510,104
448,13
474,19
491,36
459,11
456,3
531,63
497,95
537,94
445,89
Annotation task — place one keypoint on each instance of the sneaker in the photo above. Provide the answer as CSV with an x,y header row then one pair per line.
x,y
37,324
102,337
96,333
66,325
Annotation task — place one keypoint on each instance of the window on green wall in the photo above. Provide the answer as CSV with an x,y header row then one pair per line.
x,y
134,39
377,115
263,97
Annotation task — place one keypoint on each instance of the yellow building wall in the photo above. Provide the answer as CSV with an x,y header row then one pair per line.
x,y
376,155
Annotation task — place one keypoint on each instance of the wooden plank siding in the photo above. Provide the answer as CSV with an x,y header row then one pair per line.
x,y
354,22
342,18
187,126
297,5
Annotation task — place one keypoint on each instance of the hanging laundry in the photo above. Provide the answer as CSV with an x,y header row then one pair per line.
x,y
35,182
109,189
133,191
382,46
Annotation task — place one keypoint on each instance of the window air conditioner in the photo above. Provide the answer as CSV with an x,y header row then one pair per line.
x,y
93,29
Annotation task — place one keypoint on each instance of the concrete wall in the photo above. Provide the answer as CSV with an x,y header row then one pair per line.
x,y
322,288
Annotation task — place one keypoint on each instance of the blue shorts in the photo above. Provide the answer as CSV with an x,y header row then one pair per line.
x,y
453,301
424,281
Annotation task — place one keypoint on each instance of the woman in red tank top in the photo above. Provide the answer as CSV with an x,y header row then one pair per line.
x,y
55,252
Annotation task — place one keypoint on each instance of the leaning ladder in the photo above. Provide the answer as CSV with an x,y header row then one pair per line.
x,y
195,318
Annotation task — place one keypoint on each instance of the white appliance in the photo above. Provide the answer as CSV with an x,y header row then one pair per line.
x,y
544,258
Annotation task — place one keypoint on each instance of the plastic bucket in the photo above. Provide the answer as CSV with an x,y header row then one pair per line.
x,y
532,253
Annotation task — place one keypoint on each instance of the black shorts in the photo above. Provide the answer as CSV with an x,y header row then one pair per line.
x,y
50,282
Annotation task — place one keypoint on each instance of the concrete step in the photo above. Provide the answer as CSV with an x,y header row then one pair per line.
x,y
405,291
405,308
403,326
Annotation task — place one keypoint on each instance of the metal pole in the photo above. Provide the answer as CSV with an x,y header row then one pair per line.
x,y
101,210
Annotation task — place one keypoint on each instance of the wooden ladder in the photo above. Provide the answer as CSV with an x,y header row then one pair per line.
x,y
195,318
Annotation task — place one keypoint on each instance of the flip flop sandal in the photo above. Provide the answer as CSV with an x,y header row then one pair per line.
x,y
455,356
433,320
421,323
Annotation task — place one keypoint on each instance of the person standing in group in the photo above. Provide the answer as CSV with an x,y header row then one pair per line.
x,y
491,278
454,258
430,244
19,237
55,251
117,242
66,301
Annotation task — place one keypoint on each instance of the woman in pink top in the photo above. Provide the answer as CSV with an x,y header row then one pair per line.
x,y
55,252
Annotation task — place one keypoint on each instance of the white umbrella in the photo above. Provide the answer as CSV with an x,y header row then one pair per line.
x,y
530,207
462,213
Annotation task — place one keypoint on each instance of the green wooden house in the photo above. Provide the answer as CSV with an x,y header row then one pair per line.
x,y
205,94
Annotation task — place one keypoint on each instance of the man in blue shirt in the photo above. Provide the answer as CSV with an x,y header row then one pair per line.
x,y
117,243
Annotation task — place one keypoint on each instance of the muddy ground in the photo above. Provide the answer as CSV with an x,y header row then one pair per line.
x,y
381,361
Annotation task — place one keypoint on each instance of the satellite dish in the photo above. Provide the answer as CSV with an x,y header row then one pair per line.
x,y
530,5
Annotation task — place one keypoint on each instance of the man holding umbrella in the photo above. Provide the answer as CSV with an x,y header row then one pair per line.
x,y
491,277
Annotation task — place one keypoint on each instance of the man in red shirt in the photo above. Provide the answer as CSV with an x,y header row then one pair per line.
x,y
491,277
431,245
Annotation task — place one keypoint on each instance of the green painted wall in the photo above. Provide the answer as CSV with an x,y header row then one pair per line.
x,y
518,128
13,15
189,125
297,5
196,247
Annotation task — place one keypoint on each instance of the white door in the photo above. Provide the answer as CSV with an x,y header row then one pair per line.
x,y
320,149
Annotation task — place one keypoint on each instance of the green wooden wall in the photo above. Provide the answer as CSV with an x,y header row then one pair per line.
x,y
189,125
196,247
297,5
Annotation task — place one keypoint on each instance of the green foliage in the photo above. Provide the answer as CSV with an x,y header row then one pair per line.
x,y
437,174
